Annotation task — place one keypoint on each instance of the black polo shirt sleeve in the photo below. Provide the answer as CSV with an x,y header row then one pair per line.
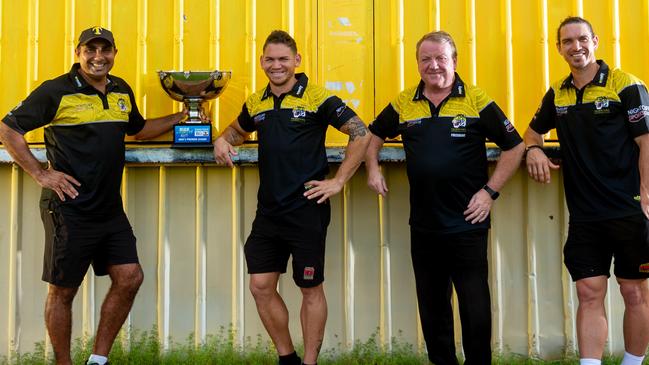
x,y
245,120
386,124
335,111
635,101
37,110
498,128
545,117
135,119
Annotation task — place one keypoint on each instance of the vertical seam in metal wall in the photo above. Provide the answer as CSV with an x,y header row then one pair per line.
x,y
13,316
215,53
68,45
108,8
472,38
290,15
616,33
142,31
163,260
546,44
401,45
350,277
580,8
253,44
238,319
200,262
567,285
127,324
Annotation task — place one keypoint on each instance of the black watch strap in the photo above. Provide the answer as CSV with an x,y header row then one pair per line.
x,y
493,193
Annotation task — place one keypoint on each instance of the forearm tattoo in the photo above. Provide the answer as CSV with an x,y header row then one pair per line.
x,y
233,137
354,127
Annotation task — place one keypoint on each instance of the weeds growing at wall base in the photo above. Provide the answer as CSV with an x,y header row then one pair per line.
x,y
145,348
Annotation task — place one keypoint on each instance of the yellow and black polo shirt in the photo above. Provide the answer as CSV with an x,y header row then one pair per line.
x,y
291,130
596,127
84,137
446,157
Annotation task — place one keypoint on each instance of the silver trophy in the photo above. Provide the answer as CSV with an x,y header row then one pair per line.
x,y
193,88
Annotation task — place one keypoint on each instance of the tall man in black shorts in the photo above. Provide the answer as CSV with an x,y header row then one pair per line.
x,y
86,114
291,116
444,124
601,116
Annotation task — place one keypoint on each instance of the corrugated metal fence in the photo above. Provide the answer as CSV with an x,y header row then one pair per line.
x,y
191,219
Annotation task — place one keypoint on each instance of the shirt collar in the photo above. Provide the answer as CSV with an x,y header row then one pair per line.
x,y
81,83
297,90
458,89
599,80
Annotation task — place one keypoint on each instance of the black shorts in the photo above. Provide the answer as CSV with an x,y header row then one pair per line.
x,y
591,246
72,243
301,233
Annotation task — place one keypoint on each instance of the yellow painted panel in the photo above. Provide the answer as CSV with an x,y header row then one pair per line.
x,y
600,14
529,69
346,56
234,51
457,19
13,54
634,34
491,50
419,18
388,53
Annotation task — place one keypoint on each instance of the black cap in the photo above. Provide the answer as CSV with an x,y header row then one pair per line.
x,y
94,33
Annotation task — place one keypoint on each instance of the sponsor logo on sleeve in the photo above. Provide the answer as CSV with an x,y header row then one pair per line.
x,y
561,110
636,114
412,123
509,127
340,110
259,118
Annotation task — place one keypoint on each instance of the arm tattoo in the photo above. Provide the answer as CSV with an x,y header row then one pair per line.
x,y
354,127
232,136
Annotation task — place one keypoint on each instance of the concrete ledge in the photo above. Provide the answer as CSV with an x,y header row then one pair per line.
x,y
392,152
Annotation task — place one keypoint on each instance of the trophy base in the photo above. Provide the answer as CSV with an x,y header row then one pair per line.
x,y
192,135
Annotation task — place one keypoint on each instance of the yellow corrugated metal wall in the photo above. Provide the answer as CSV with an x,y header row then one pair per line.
x,y
191,220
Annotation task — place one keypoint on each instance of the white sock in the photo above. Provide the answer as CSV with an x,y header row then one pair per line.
x,y
630,359
590,362
101,360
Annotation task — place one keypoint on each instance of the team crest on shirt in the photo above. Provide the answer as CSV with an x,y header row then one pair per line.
x,y
121,103
644,268
601,105
459,126
299,115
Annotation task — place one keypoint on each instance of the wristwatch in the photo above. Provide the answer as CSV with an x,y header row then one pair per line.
x,y
493,193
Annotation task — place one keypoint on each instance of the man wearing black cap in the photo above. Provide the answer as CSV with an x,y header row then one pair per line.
x,y
86,114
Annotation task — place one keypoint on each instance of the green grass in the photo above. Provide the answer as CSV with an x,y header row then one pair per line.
x,y
144,348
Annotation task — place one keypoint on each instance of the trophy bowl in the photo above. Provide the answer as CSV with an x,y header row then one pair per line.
x,y
193,88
